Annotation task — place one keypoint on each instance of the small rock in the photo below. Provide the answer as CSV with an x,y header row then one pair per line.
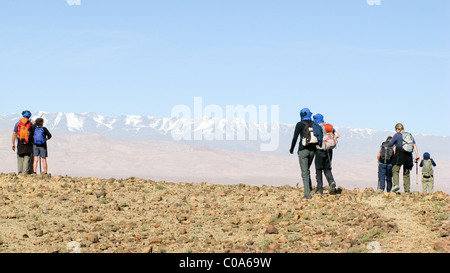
x,y
11,215
156,240
271,229
181,218
374,247
274,246
93,238
101,193
54,249
325,243
443,246
74,247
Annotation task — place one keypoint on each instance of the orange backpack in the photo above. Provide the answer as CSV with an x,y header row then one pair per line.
x,y
329,139
23,130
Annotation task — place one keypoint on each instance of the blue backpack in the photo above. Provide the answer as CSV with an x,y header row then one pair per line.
x,y
39,137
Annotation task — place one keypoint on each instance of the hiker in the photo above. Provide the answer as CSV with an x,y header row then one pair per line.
x,y
24,139
307,147
385,155
327,137
404,146
40,136
427,165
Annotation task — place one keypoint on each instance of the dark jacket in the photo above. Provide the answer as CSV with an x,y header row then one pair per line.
x,y
47,134
298,131
401,157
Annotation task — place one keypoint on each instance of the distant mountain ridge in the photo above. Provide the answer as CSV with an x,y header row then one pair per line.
x,y
353,142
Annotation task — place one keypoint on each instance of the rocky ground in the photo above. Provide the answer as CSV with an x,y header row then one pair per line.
x,y
69,214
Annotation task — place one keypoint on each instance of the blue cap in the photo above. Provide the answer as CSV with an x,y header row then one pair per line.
x,y
26,114
305,114
318,118
426,156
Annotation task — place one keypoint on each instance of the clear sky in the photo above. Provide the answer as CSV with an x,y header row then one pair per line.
x,y
360,65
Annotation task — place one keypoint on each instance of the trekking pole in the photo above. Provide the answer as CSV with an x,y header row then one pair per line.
x,y
378,176
40,166
417,175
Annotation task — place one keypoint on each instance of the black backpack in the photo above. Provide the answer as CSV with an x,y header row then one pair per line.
x,y
308,136
386,153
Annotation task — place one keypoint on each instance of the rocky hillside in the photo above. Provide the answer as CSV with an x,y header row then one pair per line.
x,y
70,214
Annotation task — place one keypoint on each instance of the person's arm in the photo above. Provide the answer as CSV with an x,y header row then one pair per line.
x,y
379,155
417,152
294,139
432,162
14,141
336,134
421,163
47,133
14,136
394,140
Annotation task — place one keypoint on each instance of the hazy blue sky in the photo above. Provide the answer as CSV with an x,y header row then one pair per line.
x,y
359,65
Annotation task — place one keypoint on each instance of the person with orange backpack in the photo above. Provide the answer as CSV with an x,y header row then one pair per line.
x,y
327,137
24,140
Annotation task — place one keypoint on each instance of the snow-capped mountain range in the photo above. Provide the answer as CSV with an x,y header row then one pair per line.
x,y
236,134
149,147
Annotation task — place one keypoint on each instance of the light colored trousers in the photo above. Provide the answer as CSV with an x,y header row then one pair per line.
x,y
427,184
25,164
396,177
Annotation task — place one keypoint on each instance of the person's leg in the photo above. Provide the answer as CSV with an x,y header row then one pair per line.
x,y
44,164
26,164
406,179
396,177
19,164
319,167
43,152
35,163
330,180
303,156
30,163
319,181
381,175
35,157
425,185
431,190
388,177
311,155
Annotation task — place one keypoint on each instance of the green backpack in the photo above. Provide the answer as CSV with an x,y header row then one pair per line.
x,y
427,169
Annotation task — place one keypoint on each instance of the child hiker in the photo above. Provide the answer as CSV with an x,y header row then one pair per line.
x,y
427,165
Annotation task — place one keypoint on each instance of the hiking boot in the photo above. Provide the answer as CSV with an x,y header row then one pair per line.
x,y
332,188
395,189
333,185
